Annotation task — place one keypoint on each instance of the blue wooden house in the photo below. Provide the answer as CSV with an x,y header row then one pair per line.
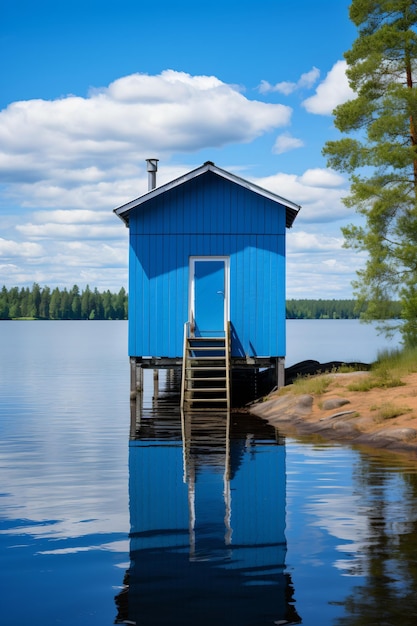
x,y
207,275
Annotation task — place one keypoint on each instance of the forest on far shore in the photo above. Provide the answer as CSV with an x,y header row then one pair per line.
x,y
330,309
44,303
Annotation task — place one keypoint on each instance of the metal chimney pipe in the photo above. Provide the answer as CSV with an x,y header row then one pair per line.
x,y
152,168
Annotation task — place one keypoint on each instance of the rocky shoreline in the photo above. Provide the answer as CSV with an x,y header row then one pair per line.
x,y
346,416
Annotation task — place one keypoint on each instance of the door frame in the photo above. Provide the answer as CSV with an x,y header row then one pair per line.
x,y
191,287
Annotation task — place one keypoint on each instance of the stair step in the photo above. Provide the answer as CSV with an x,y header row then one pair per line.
x,y
207,346
206,354
204,389
216,380
206,373
206,349
207,358
200,368
219,400
211,379
206,339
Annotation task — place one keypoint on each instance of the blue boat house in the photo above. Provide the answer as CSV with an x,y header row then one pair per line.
x,y
207,283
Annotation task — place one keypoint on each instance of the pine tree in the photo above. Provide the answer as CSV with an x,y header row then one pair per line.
x,y
86,298
35,300
55,305
4,304
381,156
75,303
44,303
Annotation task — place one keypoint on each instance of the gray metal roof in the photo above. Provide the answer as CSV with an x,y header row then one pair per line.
x,y
292,209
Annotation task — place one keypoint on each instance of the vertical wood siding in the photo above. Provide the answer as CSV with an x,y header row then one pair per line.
x,y
258,507
207,216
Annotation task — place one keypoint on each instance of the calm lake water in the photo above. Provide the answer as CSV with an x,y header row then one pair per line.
x,y
187,522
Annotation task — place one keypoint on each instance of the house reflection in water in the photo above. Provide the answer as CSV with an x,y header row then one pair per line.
x,y
207,511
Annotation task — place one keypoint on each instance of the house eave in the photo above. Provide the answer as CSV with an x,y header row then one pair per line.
x,y
292,209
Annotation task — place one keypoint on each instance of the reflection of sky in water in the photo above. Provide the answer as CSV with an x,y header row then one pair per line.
x,y
64,515
342,506
63,468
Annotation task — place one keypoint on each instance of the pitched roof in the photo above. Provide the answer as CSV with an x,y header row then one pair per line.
x,y
292,209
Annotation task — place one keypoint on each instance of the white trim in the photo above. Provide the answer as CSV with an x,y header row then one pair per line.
x,y
123,211
191,288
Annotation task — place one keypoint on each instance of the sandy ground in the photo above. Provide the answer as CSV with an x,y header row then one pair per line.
x,y
357,417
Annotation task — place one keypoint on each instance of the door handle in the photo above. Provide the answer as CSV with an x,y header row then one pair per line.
x,y
221,292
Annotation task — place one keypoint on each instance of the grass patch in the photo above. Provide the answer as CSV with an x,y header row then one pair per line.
x,y
345,369
385,373
398,362
389,411
388,369
315,385
373,382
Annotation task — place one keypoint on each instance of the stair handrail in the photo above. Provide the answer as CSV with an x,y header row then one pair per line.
x,y
228,351
184,364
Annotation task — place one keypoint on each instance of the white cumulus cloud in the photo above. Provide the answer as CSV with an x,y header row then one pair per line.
x,y
10,248
332,91
52,230
76,139
319,177
317,264
285,143
306,81
65,163
302,241
87,153
319,192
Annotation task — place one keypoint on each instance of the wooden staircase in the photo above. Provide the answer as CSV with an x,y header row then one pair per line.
x,y
205,373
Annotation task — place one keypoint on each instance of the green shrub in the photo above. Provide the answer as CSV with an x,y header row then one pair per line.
x,y
372,382
388,411
315,385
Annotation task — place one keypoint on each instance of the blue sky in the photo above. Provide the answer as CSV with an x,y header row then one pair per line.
x,y
90,89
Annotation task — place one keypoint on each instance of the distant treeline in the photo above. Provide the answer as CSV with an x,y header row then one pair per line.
x,y
329,309
62,304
